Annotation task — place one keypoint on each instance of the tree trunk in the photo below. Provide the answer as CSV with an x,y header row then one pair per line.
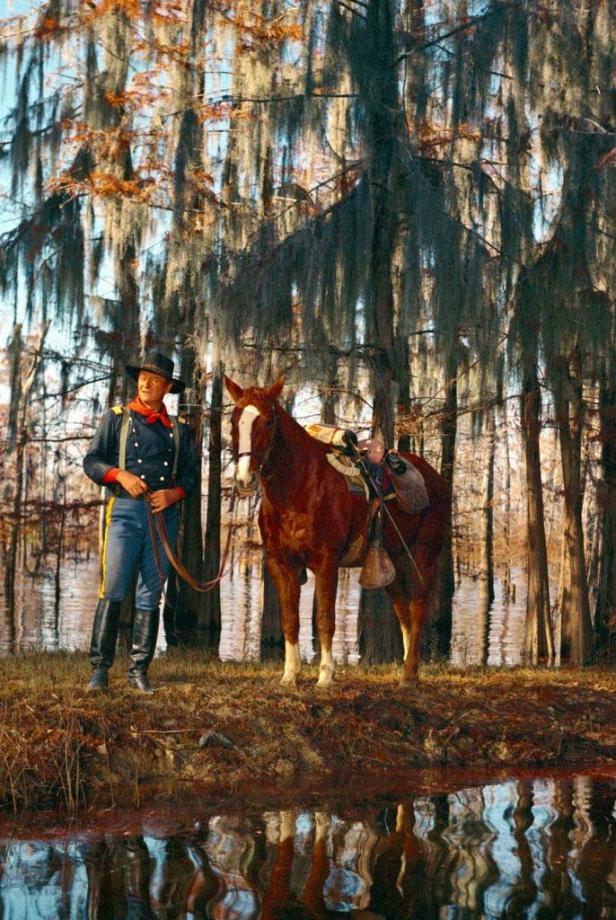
x,y
486,563
184,606
210,625
380,640
508,586
383,171
379,631
21,406
576,636
440,629
329,404
538,637
605,609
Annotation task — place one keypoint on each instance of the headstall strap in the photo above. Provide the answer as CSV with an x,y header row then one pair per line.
x,y
266,456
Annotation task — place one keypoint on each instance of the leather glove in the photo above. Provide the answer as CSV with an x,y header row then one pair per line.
x,y
396,463
350,441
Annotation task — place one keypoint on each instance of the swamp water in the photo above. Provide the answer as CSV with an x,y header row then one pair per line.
x,y
531,848
54,616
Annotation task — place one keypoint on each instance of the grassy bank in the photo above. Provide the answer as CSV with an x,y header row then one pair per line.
x,y
231,729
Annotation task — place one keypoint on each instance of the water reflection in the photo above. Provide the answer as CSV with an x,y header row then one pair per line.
x,y
39,622
536,849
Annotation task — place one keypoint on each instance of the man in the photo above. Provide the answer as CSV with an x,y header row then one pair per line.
x,y
148,462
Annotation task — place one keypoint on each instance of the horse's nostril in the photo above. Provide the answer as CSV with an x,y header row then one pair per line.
x,y
246,486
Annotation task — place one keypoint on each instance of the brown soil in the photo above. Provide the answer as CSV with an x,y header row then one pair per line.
x,y
231,732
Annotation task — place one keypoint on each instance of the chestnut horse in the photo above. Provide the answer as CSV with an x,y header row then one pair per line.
x,y
309,520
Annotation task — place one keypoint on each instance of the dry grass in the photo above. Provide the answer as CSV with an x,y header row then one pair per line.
x,y
229,729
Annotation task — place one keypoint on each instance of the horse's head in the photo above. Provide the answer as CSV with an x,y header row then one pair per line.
x,y
252,430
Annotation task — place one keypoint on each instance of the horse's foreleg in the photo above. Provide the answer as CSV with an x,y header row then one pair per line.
x,y
326,579
287,580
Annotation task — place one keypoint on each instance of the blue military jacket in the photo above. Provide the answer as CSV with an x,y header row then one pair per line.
x,y
150,452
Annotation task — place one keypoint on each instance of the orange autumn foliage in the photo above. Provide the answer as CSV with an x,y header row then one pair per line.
x,y
432,134
47,28
130,8
103,185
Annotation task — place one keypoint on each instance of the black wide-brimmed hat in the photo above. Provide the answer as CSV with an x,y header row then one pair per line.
x,y
159,364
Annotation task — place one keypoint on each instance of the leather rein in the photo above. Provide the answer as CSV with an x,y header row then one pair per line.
x,y
156,523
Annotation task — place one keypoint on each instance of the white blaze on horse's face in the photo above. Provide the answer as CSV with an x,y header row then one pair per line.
x,y
243,473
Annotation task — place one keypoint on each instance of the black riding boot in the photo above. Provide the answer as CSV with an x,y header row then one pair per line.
x,y
103,644
145,631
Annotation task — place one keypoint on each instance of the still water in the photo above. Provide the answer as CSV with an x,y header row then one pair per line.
x,y
537,848
44,621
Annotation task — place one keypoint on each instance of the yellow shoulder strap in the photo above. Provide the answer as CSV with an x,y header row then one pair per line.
x,y
176,436
123,437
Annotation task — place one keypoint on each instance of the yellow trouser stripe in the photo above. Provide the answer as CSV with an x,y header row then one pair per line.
x,y
101,593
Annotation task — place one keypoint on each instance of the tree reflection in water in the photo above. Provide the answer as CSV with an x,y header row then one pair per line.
x,y
541,849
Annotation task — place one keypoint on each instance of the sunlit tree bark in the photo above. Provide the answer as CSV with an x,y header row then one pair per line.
x,y
538,638
605,608
576,635
486,559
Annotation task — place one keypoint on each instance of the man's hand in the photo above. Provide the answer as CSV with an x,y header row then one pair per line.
x,y
132,484
163,499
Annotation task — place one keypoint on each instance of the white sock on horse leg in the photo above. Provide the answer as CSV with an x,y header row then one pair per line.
x,y
326,668
292,662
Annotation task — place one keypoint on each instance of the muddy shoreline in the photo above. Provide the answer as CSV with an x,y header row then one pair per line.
x,y
228,733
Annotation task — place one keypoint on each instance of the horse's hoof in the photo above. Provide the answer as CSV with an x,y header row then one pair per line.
x,y
289,680
407,681
325,681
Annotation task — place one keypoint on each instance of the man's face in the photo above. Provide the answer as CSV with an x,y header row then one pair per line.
x,y
151,388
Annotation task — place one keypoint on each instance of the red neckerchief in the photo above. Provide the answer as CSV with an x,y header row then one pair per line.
x,y
151,417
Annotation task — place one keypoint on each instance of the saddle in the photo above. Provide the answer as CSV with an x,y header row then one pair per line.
x,y
380,476
373,471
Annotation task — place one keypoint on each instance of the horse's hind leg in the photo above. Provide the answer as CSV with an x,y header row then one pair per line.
x,y
411,636
326,586
411,616
411,613
286,577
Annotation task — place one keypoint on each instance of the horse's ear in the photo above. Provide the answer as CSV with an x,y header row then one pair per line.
x,y
275,390
233,389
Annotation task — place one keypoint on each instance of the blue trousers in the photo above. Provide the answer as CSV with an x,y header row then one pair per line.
x,y
128,548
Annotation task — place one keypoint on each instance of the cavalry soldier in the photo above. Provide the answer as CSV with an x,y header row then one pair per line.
x,y
147,460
